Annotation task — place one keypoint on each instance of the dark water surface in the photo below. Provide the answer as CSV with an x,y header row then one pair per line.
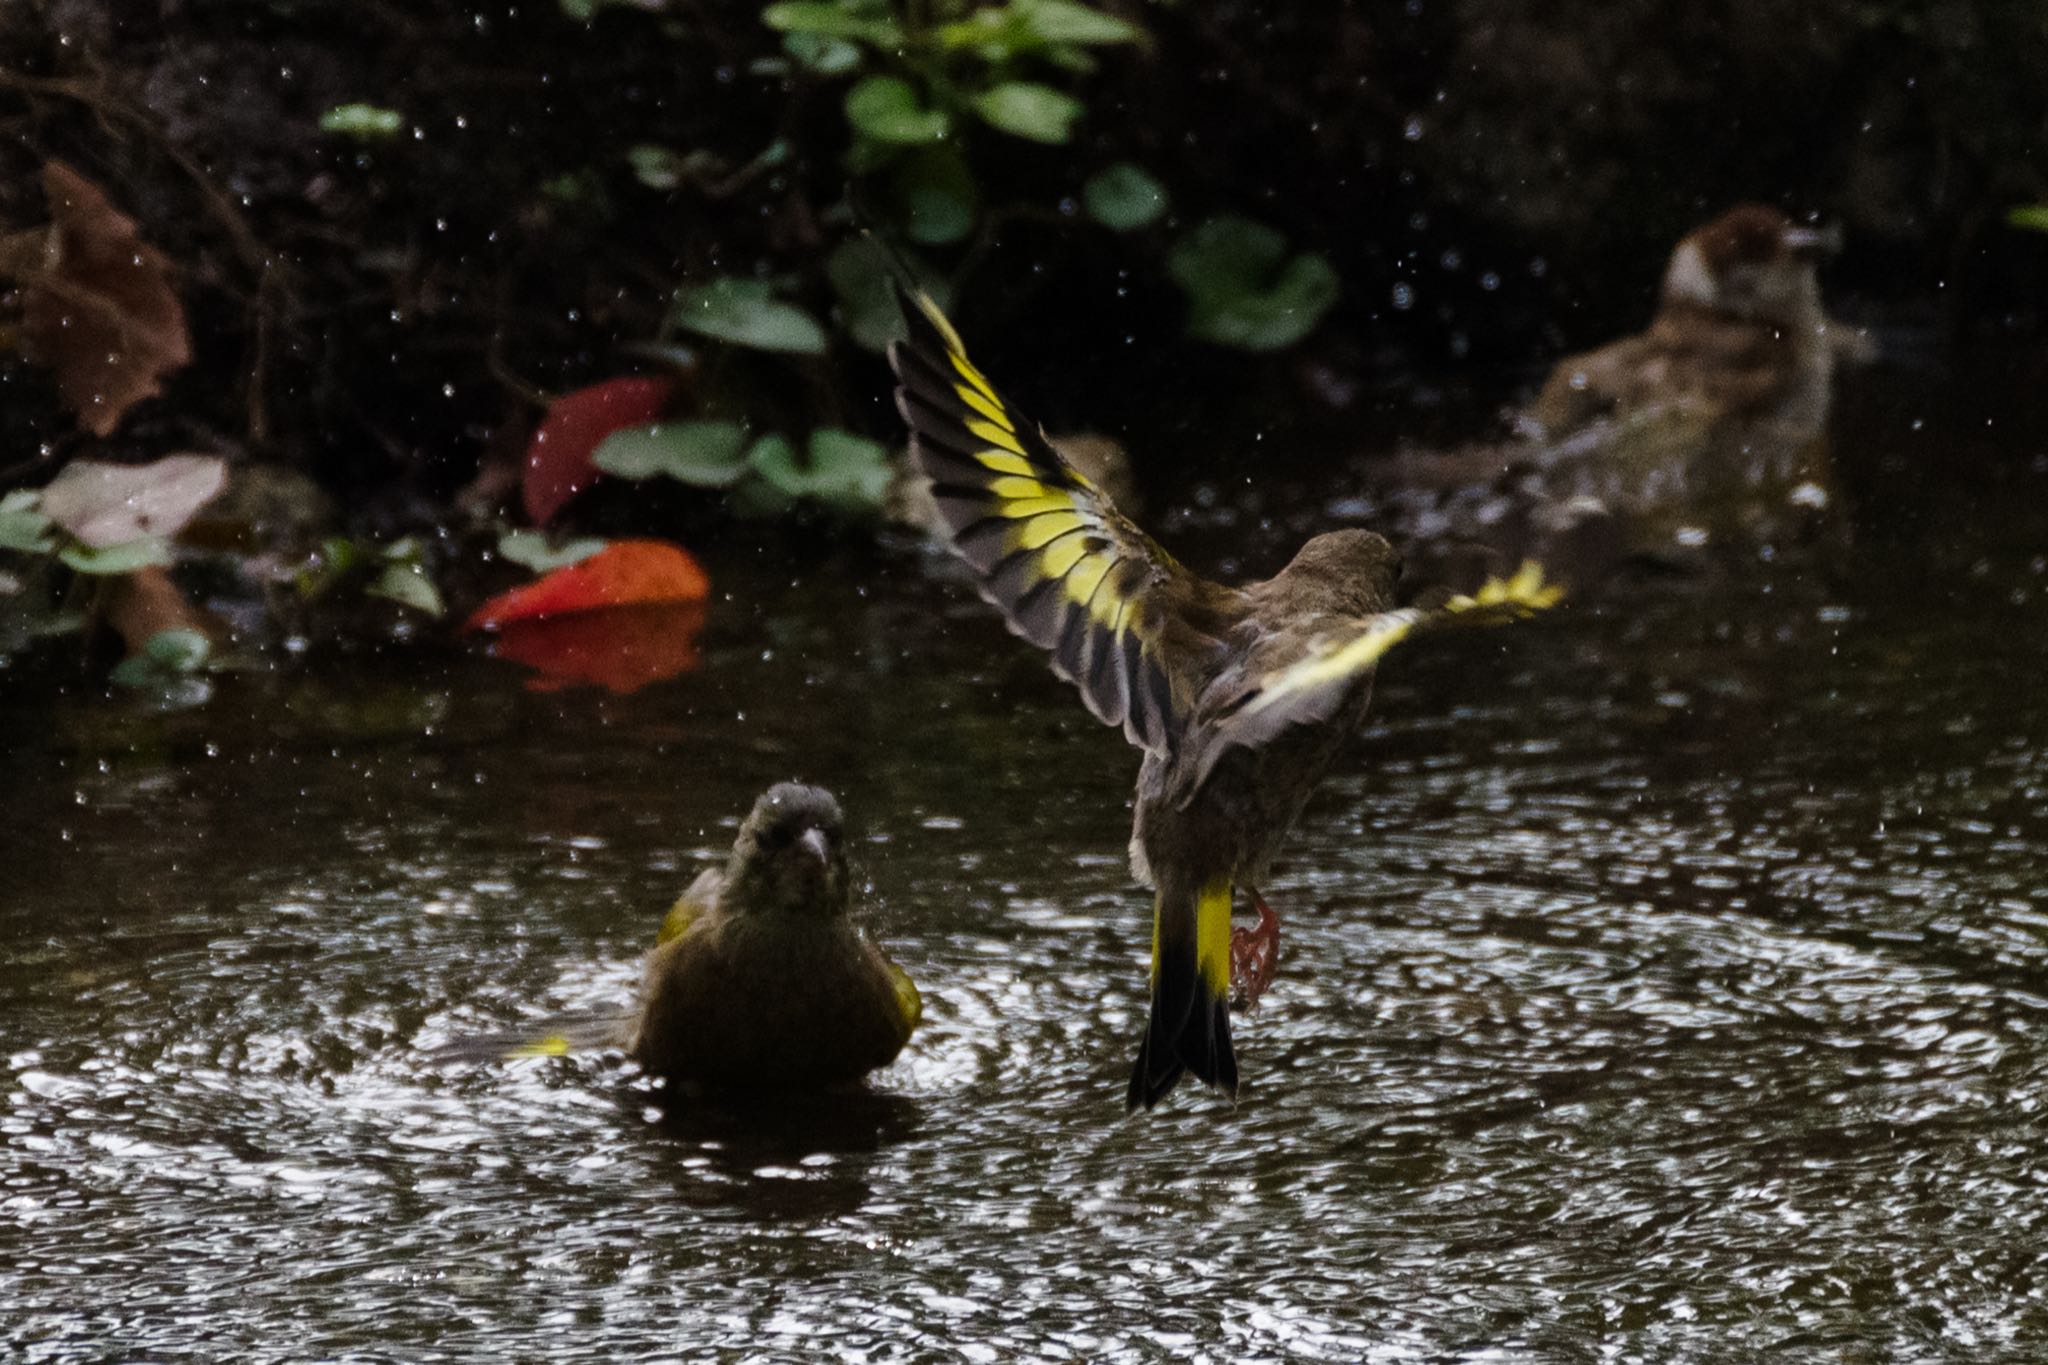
x,y
1665,980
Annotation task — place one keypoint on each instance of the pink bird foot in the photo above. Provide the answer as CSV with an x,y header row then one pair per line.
x,y
1254,956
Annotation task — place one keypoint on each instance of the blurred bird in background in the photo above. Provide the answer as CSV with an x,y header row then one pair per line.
x,y
1707,428
1721,406
1240,698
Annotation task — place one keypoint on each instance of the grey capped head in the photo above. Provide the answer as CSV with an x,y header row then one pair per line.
x,y
790,854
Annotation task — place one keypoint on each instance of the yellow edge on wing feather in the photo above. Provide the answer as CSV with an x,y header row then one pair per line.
x,y
964,367
1003,462
909,1004
983,404
1043,529
929,306
1063,555
553,1045
677,922
1018,508
1009,486
1085,577
997,436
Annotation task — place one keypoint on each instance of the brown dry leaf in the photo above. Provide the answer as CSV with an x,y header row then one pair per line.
x,y
99,309
139,605
110,504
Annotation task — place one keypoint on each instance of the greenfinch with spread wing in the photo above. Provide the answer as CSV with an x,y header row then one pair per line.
x,y
1239,698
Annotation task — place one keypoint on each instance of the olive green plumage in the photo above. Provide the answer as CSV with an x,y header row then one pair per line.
x,y
762,980
759,979
1240,698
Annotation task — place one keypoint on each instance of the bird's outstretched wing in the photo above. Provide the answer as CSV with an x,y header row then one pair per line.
x,y
1312,688
1123,621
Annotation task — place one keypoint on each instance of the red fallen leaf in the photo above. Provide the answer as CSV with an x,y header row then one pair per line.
x,y
558,463
620,648
625,573
98,309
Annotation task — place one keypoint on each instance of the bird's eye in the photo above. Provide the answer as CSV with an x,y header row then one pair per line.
x,y
775,836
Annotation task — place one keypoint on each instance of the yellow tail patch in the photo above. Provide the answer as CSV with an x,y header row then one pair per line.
x,y
1212,937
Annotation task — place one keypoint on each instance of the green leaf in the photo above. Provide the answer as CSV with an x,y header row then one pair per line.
x,y
2033,217
745,313
658,168
1123,198
23,527
179,649
133,671
758,498
581,189
408,585
863,277
1063,21
703,454
995,34
532,550
859,271
937,193
364,122
1055,30
1244,290
339,554
840,468
1069,58
126,557
865,156
1029,110
887,109
774,459
826,55
870,23
847,469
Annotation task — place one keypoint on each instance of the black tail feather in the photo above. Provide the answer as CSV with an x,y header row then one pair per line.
x,y
1189,1028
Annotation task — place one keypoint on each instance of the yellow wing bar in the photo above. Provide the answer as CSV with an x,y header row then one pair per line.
x,y
1498,600
1067,571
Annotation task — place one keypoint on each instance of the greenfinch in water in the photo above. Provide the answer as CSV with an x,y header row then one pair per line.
x,y
759,979
1240,698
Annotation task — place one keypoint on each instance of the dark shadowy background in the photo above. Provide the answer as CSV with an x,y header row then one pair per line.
x,y
1514,171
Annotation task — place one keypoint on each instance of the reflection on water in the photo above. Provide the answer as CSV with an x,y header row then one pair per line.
x,y
1668,978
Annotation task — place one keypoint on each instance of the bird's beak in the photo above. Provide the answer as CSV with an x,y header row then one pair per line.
x,y
1812,241
813,841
